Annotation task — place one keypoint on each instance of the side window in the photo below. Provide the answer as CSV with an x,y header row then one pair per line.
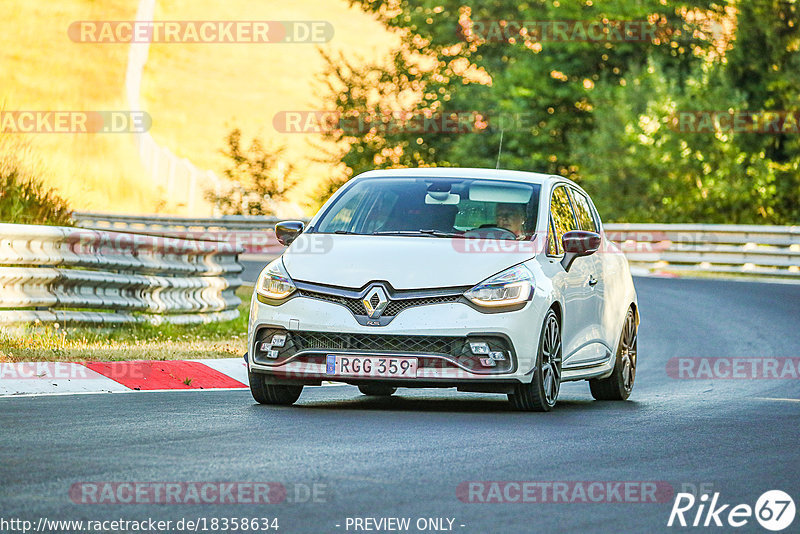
x,y
553,246
563,218
583,211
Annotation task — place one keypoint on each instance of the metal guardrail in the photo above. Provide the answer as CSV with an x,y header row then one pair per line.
x,y
76,275
254,235
721,249
167,223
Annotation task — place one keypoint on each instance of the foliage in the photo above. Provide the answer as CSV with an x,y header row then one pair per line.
x,y
24,199
597,112
256,178
640,166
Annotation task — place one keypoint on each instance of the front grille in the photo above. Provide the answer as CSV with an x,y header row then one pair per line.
x,y
355,306
376,343
394,307
314,345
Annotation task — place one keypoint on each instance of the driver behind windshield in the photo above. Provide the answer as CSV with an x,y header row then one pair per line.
x,y
511,216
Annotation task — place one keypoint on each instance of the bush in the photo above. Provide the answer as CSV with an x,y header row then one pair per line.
x,y
256,180
24,198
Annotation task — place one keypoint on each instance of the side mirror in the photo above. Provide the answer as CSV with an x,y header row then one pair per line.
x,y
579,243
287,231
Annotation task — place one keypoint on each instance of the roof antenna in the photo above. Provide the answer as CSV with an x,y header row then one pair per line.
x,y
499,150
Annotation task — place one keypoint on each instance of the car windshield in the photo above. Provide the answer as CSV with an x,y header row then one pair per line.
x,y
434,207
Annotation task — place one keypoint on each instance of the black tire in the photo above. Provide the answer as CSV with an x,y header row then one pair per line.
x,y
265,393
619,385
541,394
377,390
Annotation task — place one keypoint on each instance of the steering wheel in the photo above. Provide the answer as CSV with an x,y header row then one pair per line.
x,y
489,230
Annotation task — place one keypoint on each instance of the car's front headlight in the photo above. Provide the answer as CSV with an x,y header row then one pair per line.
x,y
512,286
274,282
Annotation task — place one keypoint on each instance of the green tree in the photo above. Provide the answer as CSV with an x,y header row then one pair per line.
x,y
764,63
597,112
641,166
549,83
256,179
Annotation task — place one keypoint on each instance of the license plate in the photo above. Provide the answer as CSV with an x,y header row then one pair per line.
x,y
378,366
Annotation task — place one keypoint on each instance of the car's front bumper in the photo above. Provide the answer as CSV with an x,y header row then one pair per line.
x,y
435,334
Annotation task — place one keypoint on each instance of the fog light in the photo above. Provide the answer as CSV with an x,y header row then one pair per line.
x,y
487,362
479,348
278,340
498,356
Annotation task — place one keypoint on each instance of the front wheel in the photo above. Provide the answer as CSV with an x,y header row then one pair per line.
x,y
278,394
540,395
619,385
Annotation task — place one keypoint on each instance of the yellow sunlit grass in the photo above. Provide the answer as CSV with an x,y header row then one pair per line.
x,y
195,93
41,69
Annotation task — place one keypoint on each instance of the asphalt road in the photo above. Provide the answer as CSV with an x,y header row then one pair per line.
x,y
405,456
252,268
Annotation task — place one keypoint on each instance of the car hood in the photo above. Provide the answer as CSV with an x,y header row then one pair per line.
x,y
405,262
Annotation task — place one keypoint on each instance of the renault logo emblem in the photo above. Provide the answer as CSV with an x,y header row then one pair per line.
x,y
375,301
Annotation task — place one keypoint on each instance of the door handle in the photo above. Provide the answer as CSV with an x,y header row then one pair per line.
x,y
592,281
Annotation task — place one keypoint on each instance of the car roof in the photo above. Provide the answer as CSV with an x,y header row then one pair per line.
x,y
465,172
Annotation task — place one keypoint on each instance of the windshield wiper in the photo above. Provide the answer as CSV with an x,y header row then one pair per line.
x,y
439,233
425,232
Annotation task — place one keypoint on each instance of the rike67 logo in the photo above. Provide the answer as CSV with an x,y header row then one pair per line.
x,y
774,510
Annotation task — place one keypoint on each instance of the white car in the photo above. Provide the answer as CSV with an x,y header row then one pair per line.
x,y
483,280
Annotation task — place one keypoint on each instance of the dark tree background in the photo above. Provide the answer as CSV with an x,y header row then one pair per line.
x,y
597,112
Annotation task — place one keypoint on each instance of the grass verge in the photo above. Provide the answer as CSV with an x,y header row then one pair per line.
x,y
130,342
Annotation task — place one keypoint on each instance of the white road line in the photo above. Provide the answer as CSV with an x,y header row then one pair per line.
x,y
123,391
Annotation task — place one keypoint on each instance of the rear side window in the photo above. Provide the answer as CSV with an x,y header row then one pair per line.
x,y
552,242
583,211
563,218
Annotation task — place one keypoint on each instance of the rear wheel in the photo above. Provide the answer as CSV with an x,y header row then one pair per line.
x,y
376,390
619,385
265,393
540,395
